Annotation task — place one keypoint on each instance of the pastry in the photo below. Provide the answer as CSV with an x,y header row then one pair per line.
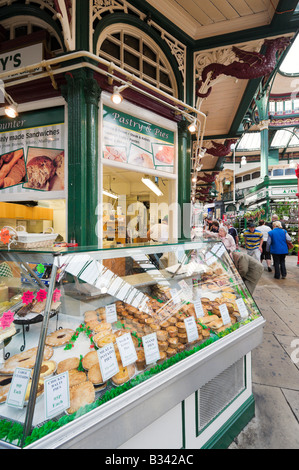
x,y
103,326
90,315
181,327
207,319
95,375
140,362
68,364
162,345
205,333
173,342
155,327
5,382
81,395
59,337
91,324
40,389
162,335
163,356
47,369
25,359
124,374
172,331
170,352
90,359
164,325
101,342
183,338
180,347
76,377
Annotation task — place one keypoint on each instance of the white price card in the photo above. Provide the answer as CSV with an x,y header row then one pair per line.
x,y
224,314
18,387
57,394
126,349
151,348
175,296
198,308
191,329
108,362
242,308
111,314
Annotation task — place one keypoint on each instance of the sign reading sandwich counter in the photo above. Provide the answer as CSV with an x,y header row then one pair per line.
x,y
134,141
32,160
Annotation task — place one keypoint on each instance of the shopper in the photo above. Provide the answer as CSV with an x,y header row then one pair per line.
x,y
233,232
227,239
275,218
253,241
265,255
249,269
277,245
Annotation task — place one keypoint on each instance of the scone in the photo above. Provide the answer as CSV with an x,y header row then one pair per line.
x,y
39,171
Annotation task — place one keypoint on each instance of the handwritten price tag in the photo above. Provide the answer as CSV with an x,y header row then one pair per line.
x,y
6,319
4,236
41,295
56,295
27,297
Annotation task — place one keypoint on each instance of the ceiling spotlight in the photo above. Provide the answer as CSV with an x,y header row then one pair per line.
x,y
11,111
116,97
194,179
192,126
243,161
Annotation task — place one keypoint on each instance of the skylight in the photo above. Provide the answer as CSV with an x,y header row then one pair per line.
x,y
250,141
290,63
285,138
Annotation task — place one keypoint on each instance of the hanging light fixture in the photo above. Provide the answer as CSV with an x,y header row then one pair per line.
x,y
11,110
116,97
109,194
151,185
192,126
243,160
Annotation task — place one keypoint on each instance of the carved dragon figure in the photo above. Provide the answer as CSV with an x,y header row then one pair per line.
x,y
208,178
250,65
220,150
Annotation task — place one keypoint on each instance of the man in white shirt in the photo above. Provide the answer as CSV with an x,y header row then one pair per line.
x,y
265,255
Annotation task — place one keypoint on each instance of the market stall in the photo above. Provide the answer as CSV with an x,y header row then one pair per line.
x,y
155,357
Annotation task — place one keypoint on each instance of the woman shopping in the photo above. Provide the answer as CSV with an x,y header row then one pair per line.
x,y
223,235
277,245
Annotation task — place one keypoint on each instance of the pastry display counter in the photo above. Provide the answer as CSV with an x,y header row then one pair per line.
x,y
154,356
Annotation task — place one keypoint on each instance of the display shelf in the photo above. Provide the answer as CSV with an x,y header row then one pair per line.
x,y
192,309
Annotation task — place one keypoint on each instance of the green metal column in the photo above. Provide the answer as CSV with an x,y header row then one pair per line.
x,y
184,179
82,95
262,107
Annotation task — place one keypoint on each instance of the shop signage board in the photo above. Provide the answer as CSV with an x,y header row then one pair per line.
x,y
136,142
32,156
21,57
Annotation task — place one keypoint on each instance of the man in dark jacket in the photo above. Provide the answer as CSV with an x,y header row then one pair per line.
x,y
249,269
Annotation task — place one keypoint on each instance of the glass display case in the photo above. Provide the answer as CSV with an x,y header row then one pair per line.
x,y
111,331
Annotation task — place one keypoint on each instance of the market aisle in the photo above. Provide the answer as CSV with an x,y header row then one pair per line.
x,y
275,366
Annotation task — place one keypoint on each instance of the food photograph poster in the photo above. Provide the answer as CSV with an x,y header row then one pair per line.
x,y
32,157
128,139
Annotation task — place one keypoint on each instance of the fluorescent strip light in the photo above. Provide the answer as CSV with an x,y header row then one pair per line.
x,y
107,193
152,186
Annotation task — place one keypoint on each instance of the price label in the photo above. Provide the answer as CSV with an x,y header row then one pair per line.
x,y
151,348
224,314
111,314
57,394
18,387
175,296
242,308
191,329
198,308
108,362
6,319
126,349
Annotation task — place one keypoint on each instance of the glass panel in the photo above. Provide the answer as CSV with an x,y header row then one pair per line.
x,y
290,171
250,141
149,70
149,53
132,42
114,318
277,172
131,60
110,48
164,78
